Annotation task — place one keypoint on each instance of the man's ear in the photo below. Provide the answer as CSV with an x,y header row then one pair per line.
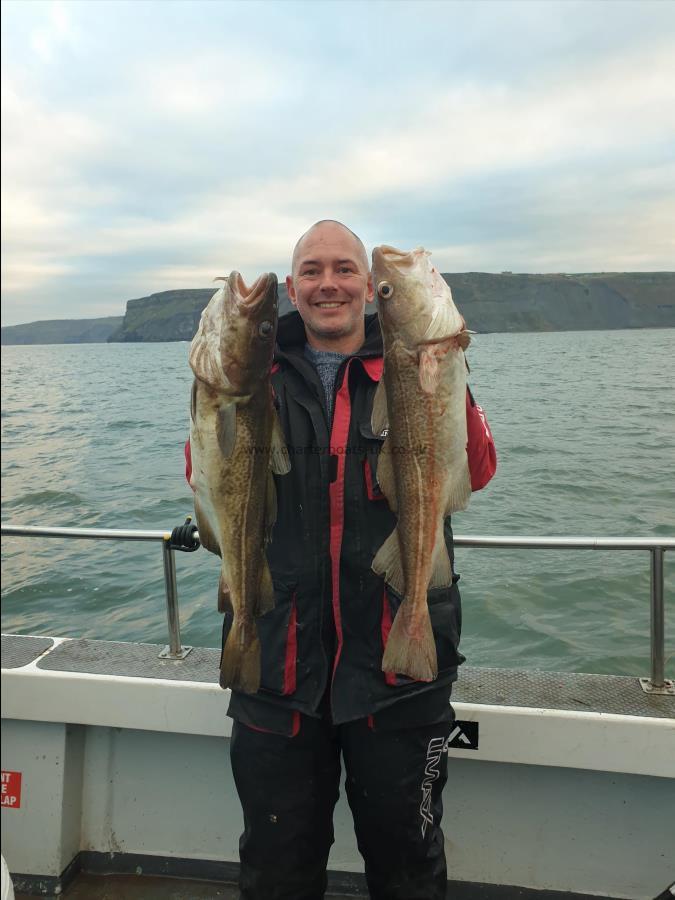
x,y
290,287
370,293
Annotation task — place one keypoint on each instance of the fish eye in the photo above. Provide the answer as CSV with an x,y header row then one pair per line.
x,y
385,290
265,329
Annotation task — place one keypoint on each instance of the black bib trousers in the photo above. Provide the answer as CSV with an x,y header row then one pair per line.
x,y
288,788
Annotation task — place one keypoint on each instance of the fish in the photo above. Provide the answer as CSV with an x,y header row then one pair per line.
x,y
236,445
422,469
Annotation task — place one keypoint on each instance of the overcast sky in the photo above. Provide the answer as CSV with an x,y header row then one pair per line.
x,y
155,145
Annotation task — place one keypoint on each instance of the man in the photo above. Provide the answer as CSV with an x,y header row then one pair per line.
x,y
323,694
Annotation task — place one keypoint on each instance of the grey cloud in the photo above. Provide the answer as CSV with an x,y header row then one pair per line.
x,y
137,191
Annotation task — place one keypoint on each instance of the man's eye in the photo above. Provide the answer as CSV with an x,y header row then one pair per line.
x,y
344,269
310,272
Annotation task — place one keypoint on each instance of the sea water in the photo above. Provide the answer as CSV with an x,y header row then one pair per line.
x,y
584,423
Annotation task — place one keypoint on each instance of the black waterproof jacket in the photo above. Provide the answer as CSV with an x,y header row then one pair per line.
x,y
322,644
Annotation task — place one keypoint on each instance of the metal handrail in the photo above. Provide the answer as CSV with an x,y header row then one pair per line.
x,y
656,683
564,543
174,649
656,547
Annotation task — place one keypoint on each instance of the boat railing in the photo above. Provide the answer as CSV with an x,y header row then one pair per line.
x,y
174,649
656,547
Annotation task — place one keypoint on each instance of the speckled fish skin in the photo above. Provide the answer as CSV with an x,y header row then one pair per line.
x,y
423,468
236,443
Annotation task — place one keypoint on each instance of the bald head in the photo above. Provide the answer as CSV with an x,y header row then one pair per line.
x,y
330,286
329,225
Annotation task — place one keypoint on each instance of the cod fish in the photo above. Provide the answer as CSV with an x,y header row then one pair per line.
x,y
236,444
423,467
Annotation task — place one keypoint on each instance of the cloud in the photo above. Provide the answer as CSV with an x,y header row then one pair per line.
x,y
23,275
214,86
144,152
42,143
481,129
58,29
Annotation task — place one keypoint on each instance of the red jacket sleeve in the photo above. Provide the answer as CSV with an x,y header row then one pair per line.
x,y
480,447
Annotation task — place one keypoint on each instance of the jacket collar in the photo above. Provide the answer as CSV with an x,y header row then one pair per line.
x,y
291,338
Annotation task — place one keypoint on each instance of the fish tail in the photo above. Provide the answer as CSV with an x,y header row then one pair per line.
x,y
387,562
411,649
240,663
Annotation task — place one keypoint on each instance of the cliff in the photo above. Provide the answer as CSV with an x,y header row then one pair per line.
x,y
506,302
489,302
62,331
511,302
167,316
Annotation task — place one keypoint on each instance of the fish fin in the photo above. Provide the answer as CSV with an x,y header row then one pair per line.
x,y
429,375
460,493
441,574
387,562
411,649
280,462
206,536
270,508
193,401
224,598
226,428
240,663
265,601
379,420
385,477
429,370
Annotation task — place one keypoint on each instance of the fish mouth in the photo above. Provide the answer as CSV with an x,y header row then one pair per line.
x,y
385,257
260,293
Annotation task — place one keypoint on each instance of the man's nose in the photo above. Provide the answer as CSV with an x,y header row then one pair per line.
x,y
328,280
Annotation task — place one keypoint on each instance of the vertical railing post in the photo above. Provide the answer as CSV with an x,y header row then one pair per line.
x,y
173,650
657,618
657,683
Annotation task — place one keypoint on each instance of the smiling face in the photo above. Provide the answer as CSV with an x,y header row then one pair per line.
x,y
330,287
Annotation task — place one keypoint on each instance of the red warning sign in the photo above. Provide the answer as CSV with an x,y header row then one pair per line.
x,y
11,789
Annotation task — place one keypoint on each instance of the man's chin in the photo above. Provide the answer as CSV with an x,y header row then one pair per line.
x,y
326,330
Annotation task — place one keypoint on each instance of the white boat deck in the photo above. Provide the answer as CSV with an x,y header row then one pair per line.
x,y
132,776
608,694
